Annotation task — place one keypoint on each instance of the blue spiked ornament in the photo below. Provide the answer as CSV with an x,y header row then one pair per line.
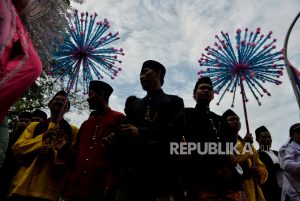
x,y
85,53
252,60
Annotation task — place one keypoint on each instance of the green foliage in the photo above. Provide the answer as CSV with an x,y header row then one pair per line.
x,y
38,97
32,99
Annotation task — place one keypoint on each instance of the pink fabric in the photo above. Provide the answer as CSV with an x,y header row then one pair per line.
x,y
5,18
17,74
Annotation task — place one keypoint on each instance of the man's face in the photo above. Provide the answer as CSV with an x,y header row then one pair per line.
x,y
95,100
204,93
264,140
149,77
296,136
24,122
234,123
56,104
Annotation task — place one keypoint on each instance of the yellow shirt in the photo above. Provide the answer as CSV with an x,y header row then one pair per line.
x,y
249,185
43,178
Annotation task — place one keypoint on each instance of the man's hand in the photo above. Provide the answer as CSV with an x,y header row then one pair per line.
x,y
109,139
55,137
255,172
60,141
50,133
248,138
130,130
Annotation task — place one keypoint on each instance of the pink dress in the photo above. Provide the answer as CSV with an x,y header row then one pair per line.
x,y
20,65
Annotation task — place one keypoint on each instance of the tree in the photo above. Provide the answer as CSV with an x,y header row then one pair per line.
x,y
32,99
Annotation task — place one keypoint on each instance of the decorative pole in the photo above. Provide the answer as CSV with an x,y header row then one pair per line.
x,y
244,104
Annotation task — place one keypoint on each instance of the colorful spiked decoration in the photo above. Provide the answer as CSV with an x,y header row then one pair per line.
x,y
250,62
85,53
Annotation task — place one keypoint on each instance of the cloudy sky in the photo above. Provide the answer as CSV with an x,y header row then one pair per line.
x,y
175,33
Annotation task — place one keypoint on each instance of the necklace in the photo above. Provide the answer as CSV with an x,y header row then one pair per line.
x,y
96,135
147,115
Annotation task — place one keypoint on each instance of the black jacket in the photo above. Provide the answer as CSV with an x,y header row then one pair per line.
x,y
270,188
160,120
202,127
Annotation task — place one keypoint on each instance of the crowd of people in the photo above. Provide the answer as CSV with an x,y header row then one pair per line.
x,y
129,157
126,157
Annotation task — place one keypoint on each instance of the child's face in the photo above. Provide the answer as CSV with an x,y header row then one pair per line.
x,y
296,136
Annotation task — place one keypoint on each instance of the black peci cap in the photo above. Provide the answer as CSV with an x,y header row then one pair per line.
x,y
228,113
206,80
155,66
101,87
260,130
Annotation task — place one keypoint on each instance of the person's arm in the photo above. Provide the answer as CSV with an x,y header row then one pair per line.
x,y
262,170
116,145
242,155
64,149
250,156
26,144
290,165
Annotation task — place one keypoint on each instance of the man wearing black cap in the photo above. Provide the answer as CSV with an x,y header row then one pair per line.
x,y
153,122
24,119
254,171
272,187
93,177
38,115
43,150
202,125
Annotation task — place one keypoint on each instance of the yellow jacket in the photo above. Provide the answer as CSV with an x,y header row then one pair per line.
x,y
249,184
42,178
